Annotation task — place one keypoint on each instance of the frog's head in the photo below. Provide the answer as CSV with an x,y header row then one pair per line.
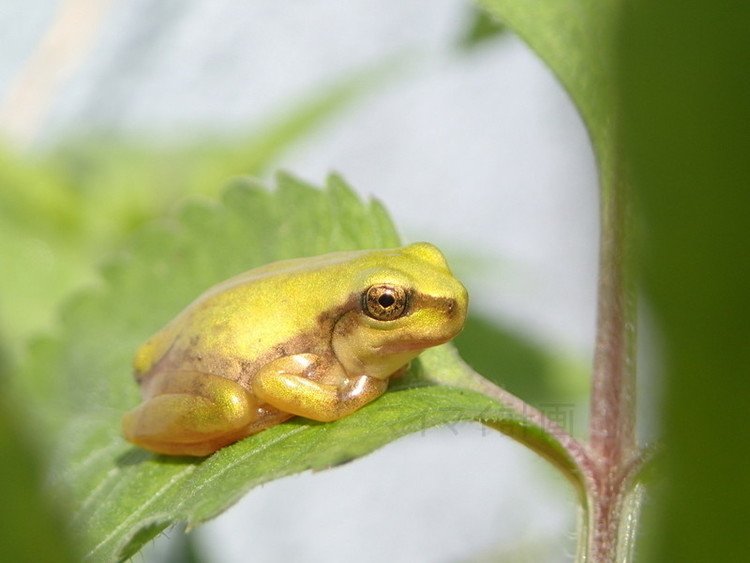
x,y
405,300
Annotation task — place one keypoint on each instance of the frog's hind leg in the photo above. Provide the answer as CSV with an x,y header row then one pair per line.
x,y
191,413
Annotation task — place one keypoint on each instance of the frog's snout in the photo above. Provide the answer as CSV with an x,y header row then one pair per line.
x,y
459,305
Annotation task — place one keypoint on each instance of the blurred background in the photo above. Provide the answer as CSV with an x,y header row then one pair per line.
x,y
451,122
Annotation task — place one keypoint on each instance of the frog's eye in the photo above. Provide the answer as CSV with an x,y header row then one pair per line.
x,y
384,302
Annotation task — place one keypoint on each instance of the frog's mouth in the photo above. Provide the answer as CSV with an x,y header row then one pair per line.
x,y
412,345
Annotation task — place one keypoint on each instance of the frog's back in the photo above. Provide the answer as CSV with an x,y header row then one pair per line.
x,y
249,318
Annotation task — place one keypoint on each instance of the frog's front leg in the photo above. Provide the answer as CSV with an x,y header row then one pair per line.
x,y
191,413
302,385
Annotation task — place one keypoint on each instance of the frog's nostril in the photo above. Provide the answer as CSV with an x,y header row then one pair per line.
x,y
451,307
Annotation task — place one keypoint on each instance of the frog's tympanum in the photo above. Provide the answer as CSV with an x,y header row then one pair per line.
x,y
313,337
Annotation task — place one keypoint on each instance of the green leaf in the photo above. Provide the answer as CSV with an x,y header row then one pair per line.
x,y
79,384
685,93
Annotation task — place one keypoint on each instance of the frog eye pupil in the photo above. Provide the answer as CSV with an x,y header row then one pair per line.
x,y
384,302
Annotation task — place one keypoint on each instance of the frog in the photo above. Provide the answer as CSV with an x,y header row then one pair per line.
x,y
315,337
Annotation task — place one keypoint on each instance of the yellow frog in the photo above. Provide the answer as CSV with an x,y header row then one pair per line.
x,y
314,337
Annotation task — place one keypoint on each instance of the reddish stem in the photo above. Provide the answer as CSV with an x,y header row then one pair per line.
x,y
611,426
612,445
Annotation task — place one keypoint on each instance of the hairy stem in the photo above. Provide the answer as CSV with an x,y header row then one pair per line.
x,y
602,470
612,441
612,422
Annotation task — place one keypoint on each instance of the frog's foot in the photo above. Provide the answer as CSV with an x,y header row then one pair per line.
x,y
191,413
286,385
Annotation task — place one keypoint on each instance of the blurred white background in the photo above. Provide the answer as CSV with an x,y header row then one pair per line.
x,y
480,152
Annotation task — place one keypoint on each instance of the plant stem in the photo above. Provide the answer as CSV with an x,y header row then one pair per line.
x,y
612,422
602,470
612,444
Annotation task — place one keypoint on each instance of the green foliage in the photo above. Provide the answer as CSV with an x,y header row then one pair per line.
x,y
80,384
681,104
685,92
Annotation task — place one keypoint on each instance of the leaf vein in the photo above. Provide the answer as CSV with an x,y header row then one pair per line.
x,y
238,461
177,478
72,474
95,492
